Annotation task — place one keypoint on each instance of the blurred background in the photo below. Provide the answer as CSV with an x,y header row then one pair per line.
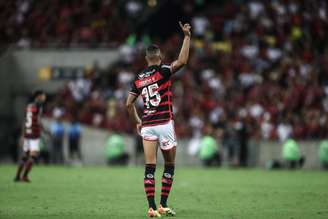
x,y
254,93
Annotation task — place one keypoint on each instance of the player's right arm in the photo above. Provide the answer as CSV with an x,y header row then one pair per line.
x,y
184,52
132,110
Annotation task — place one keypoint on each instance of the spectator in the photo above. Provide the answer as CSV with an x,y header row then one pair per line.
x,y
80,89
115,150
74,139
269,58
231,144
291,154
200,23
209,152
242,131
196,123
57,130
323,154
284,131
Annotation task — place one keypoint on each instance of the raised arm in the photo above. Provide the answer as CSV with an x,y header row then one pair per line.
x,y
132,110
184,52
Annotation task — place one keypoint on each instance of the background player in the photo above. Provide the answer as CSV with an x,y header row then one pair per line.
x,y
156,125
31,131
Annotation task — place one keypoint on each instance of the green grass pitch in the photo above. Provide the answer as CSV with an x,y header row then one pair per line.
x,y
100,192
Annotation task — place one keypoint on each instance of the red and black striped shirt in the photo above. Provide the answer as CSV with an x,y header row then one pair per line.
x,y
32,127
154,85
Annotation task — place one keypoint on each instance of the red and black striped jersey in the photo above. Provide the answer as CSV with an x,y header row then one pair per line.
x,y
154,85
32,127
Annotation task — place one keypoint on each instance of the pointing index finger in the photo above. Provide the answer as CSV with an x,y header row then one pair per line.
x,y
180,24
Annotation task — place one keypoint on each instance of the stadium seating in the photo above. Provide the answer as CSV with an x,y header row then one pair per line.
x,y
265,65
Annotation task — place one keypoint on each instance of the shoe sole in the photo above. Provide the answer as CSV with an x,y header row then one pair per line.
x,y
168,214
151,216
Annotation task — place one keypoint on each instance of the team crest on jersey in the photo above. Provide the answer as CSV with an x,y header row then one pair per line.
x,y
146,74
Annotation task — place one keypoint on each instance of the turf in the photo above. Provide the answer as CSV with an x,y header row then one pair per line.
x,y
63,192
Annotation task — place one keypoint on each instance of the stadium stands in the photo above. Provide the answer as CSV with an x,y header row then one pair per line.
x,y
262,64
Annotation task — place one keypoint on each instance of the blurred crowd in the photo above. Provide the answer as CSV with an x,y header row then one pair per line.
x,y
262,65
67,23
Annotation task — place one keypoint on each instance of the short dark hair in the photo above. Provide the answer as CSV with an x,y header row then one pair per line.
x,y
35,94
152,50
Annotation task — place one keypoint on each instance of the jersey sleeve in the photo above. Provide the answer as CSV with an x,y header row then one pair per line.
x,y
166,71
134,90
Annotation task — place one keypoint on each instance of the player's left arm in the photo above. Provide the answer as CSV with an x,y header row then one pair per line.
x,y
132,110
184,52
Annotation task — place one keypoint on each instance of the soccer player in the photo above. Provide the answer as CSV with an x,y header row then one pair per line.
x,y
156,125
31,131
